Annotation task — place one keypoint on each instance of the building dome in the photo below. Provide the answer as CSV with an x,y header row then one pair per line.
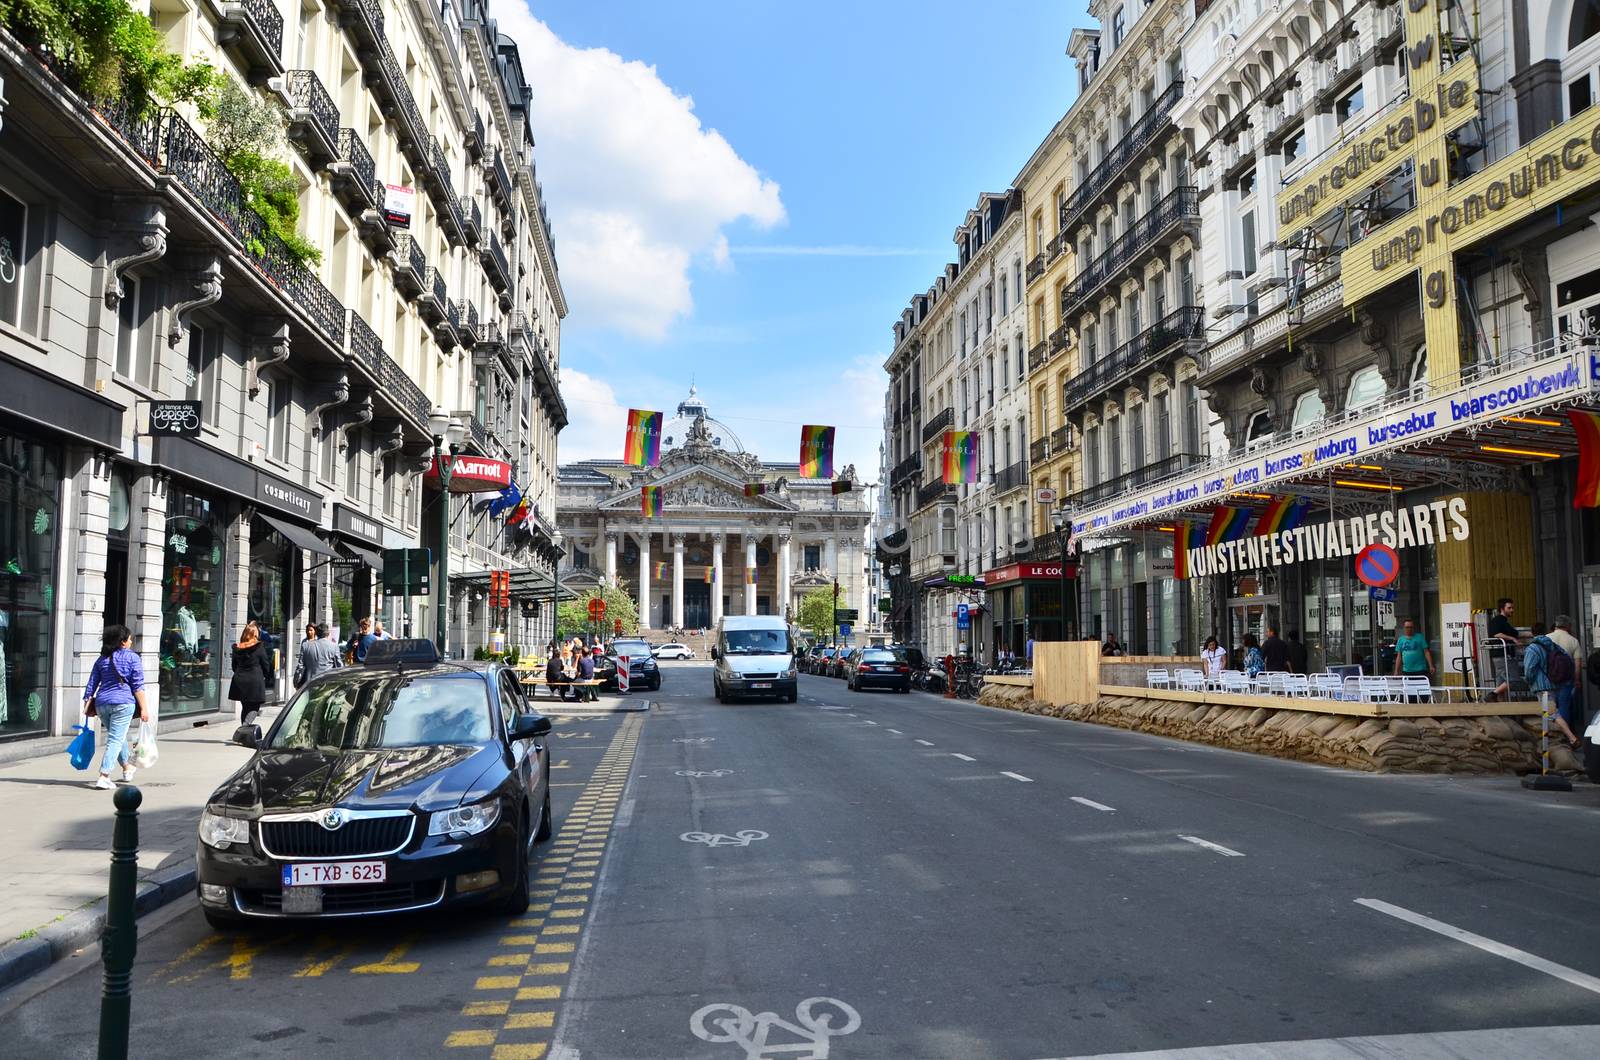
x,y
691,408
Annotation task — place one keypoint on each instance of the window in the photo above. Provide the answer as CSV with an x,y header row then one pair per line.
x,y
1260,427
1005,368
1005,446
200,369
988,310
1191,418
388,485
1585,22
1114,447
1579,95
947,531
1090,349
1186,280
1002,295
1137,448
1349,105
1247,235
1091,455
1308,410
1112,335
13,256
278,419
1163,415
352,464
1294,147
813,557
1022,365
1119,27
1366,388
1247,184
989,364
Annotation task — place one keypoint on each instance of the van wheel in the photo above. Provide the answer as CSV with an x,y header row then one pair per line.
x,y
793,697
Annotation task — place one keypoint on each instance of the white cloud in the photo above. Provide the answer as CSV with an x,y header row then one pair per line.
x,y
637,186
597,421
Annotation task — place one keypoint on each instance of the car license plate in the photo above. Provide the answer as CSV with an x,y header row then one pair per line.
x,y
333,873
302,900
761,684
884,669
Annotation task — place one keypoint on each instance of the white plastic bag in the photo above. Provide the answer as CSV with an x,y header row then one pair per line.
x,y
145,751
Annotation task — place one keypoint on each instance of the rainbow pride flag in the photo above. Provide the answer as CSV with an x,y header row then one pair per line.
x,y
1184,537
650,501
959,457
1282,513
1586,494
642,446
816,451
1227,524
661,569
708,575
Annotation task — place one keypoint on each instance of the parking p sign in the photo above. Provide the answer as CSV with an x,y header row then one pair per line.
x,y
963,617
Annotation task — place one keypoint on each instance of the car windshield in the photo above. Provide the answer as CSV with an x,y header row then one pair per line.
x,y
397,711
631,648
757,641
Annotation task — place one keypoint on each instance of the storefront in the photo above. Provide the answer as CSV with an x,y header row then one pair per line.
x,y
194,599
30,540
1025,603
357,576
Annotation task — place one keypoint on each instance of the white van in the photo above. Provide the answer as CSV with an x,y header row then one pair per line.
x,y
753,655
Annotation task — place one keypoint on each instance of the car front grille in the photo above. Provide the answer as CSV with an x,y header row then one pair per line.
x,y
760,677
351,898
362,837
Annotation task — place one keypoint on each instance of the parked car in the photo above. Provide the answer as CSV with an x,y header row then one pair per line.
x,y
837,666
823,663
673,651
643,673
878,668
753,655
408,783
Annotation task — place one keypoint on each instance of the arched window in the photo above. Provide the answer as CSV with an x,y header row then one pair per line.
x,y
1260,427
1308,410
1585,22
1366,388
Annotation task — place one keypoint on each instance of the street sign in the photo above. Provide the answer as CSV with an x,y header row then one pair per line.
x,y
846,614
406,571
844,630
1044,495
597,610
1377,565
1377,593
963,617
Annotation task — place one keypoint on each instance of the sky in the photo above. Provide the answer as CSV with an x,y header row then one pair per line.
x,y
745,195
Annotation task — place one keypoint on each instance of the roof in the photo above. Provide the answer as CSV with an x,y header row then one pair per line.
x,y
752,621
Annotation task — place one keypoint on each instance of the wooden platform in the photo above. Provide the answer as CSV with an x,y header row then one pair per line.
x,y
1325,706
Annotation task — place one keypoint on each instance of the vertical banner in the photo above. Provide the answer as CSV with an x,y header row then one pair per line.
x,y
959,457
1586,494
1282,513
1227,524
1184,537
816,452
642,445
650,501
661,570
708,575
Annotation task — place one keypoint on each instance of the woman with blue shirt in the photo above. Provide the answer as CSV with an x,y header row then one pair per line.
x,y
116,688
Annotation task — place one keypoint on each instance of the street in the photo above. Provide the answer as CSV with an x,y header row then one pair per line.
x,y
891,875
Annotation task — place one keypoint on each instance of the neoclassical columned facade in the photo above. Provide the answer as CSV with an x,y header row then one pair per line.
x,y
713,550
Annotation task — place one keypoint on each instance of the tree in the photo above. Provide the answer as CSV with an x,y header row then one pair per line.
x,y
573,615
816,613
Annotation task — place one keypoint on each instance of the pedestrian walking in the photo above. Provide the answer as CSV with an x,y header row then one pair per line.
x,y
252,673
318,655
1567,700
1213,659
1506,641
1297,653
355,649
113,693
1547,668
300,662
1274,652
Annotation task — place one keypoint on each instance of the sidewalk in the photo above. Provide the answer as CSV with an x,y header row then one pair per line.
x,y
55,836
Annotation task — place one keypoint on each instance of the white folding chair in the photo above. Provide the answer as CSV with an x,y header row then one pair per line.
x,y
1327,686
1374,689
1157,679
1190,680
1235,682
1276,685
1417,688
1297,685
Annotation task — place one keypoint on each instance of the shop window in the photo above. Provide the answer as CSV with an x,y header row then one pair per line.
x,y
1366,388
30,484
13,227
194,634
1308,410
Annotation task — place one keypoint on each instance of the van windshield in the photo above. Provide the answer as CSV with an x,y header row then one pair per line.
x,y
757,642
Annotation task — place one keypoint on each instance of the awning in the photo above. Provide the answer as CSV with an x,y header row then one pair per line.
x,y
300,536
364,555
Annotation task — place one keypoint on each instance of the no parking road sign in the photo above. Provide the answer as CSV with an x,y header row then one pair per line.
x,y
1377,565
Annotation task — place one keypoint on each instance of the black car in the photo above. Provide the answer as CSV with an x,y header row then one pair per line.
x,y
644,674
406,783
820,661
878,668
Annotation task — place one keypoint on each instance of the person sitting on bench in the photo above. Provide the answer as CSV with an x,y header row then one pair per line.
x,y
586,692
556,676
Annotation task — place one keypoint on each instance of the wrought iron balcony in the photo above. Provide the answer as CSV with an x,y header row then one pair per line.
x,y
896,540
447,331
479,436
410,267
1011,478
313,117
495,265
391,382
144,135
1132,480
1172,332
363,18
1062,441
1038,355
375,227
255,29
906,470
1038,450
1179,207
366,349
394,95
1035,267
500,181
433,303
444,193
936,490
471,222
1104,176
474,138
1059,339
1056,245
940,423
354,173
467,323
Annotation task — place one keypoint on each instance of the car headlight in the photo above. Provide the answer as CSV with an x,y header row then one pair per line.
x,y
470,819
791,672
219,831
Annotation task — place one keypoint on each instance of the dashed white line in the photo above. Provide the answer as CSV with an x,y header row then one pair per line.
x,y
964,758
926,743
1214,847
897,732
1560,971
872,723
1102,807
1016,776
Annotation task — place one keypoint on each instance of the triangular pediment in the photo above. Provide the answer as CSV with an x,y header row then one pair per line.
x,y
698,487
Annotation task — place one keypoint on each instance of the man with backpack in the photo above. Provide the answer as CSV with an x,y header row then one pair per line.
x,y
1550,671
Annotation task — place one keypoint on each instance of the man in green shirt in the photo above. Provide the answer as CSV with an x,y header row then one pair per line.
x,y
1412,656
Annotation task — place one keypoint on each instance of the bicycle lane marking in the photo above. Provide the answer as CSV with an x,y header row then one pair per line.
x,y
522,987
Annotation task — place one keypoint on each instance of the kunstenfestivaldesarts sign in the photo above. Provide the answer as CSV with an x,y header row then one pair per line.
x,y
1407,526
1518,388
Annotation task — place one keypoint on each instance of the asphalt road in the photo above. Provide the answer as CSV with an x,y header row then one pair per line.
x,y
884,875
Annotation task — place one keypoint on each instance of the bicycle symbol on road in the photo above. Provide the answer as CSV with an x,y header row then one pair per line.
x,y
694,739
816,1021
717,839
704,773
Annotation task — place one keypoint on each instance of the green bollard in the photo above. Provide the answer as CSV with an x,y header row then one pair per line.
x,y
120,941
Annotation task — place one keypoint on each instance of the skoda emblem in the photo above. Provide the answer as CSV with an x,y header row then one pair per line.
x,y
333,819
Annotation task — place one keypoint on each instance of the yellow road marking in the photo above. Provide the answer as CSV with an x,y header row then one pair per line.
x,y
521,1021
458,1039
562,929
538,993
391,963
486,1008
502,960
554,947
497,982
524,1051
519,940
316,969
568,912
550,968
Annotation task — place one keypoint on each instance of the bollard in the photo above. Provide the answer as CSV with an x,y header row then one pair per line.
x,y
119,941
1544,780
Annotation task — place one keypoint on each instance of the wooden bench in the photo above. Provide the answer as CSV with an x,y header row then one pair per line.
x,y
533,684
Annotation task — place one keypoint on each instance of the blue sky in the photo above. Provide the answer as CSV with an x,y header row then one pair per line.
x,y
747,194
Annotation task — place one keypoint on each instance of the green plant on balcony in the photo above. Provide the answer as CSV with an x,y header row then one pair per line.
x,y
111,50
247,132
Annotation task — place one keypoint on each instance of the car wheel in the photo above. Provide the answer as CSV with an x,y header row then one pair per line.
x,y
793,697
547,823
516,903
655,686
222,921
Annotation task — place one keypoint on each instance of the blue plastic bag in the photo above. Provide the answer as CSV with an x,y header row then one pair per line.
x,y
81,751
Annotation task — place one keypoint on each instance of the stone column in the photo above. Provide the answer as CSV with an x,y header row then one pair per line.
x,y
785,571
644,580
677,581
717,541
611,557
85,603
749,574
831,556
147,553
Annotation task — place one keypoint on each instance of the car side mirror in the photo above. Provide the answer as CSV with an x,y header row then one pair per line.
x,y
527,726
247,736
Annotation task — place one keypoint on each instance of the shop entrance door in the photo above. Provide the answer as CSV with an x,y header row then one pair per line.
x,y
1250,615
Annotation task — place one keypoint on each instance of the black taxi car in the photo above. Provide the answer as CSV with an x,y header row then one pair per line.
x,y
403,784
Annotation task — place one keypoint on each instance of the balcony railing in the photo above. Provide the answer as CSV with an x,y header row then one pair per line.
x,y
1061,440
471,222
374,222
500,185
366,349
1179,206
447,332
495,265
905,469
474,137
365,17
402,389
467,323
1263,333
409,265
444,193
354,174
1173,330
479,435
1010,478
1144,131
1035,267
1038,450
1056,245
433,303
929,492
1038,355
402,105
939,424
1139,476
1059,339
313,117
255,28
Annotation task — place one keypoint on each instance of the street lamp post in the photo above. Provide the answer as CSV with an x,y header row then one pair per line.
x,y
448,432
555,582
